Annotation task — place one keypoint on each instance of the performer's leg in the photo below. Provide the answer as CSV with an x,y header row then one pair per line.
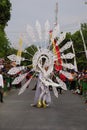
x,y
46,98
44,101
39,104
1,96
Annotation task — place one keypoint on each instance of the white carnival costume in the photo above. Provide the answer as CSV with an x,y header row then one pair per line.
x,y
53,58
42,94
43,65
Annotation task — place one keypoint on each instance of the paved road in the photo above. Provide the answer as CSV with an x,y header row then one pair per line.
x,y
68,112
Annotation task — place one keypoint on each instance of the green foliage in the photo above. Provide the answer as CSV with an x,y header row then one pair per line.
x,y
5,7
30,51
4,44
78,45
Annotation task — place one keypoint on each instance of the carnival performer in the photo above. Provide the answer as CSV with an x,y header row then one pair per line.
x,y
44,98
42,95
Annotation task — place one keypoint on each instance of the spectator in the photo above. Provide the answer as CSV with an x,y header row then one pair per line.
x,y
1,87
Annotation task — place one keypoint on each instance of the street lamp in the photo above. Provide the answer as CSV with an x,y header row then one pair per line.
x,y
85,2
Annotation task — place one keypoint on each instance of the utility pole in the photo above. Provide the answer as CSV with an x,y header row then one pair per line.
x,y
56,14
84,44
85,2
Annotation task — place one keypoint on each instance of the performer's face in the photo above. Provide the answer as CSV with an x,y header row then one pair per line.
x,y
43,61
46,68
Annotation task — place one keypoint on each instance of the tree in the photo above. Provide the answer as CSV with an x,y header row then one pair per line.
x,y
4,46
78,45
28,54
5,8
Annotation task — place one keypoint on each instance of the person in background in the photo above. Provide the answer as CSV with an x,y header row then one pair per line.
x,y
1,87
64,79
73,80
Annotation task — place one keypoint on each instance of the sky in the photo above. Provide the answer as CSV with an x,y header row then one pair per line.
x,y
24,12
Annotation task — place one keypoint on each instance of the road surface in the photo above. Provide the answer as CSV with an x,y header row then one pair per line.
x,y
68,112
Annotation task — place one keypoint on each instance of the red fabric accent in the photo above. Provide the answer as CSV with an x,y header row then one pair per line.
x,y
57,67
62,77
59,60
